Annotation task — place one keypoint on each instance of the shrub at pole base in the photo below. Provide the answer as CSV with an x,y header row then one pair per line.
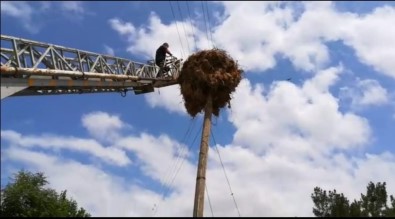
x,y
208,72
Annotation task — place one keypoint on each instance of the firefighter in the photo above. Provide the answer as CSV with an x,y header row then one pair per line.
x,y
160,58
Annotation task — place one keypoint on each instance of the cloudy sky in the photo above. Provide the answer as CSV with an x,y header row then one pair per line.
x,y
330,125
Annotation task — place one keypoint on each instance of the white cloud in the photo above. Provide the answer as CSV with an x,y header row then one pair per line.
x,y
289,138
73,6
303,40
29,14
118,194
103,126
145,40
108,50
87,184
303,120
16,9
258,34
20,10
110,155
304,45
287,172
365,93
121,27
169,98
156,164
266,29
298,31
373,39
373,94
75,10
272,181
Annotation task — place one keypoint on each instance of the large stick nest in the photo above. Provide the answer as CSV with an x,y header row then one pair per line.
x,y
208,73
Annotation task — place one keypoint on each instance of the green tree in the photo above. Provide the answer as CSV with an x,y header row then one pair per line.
x,y
391,210
371,204
374,203
27,196
329,204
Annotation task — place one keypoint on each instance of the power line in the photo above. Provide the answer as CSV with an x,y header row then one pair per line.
x,y
183,26
209,202
190,21
182,162
223,167
205,23
166,181
175,20
209,21
183,141
179,168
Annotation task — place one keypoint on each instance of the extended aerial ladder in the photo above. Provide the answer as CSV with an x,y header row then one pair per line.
x,y
34,68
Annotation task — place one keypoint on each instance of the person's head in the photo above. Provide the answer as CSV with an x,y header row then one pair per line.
x,y
166,45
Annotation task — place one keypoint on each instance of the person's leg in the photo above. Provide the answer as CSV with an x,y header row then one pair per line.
x,y
160,64
166,71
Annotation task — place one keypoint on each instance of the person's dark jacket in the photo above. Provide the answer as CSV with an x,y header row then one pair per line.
x,y
161,54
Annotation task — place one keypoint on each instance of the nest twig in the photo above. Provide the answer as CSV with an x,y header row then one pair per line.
x,y
208,72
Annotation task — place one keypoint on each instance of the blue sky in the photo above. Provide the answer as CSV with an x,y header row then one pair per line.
x,y
330,126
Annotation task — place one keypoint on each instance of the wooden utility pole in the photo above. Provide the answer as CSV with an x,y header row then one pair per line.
x,y
202,166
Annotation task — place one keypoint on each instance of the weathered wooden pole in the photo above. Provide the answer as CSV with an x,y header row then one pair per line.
x,y
202,165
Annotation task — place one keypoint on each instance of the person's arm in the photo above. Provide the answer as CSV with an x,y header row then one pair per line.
x,y
168,52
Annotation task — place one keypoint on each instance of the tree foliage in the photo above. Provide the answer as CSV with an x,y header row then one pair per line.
x,y
372,204
27,195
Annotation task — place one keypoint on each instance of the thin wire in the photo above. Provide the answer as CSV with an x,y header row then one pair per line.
x,y
180,153
216,121
209,27
179,168
205,24
166,181
183,26
182,162
223,167
183,141
197,134
209,202
175,20
190,21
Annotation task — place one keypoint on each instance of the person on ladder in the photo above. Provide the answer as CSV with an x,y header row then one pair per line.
x,y
160,58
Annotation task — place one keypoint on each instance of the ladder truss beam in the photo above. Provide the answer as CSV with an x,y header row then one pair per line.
x,y
38,65
24,53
